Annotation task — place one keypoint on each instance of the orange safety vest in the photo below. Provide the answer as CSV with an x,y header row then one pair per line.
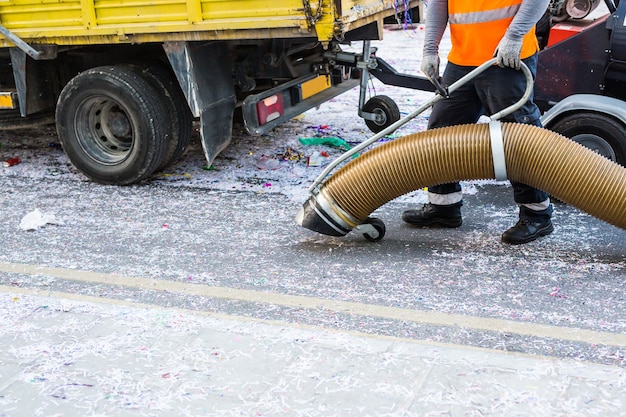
x,y
477,26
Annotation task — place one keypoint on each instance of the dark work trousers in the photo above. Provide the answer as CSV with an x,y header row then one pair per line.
x,y
493,90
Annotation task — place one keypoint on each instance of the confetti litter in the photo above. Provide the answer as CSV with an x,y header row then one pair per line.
x,y
183,175
116,360
291,154
556,293
11,162
317,159
332,141
267,162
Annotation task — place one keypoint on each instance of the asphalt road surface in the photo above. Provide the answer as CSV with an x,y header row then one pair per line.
x,y
238,256
196,294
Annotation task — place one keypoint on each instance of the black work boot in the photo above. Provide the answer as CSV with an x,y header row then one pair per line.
x,y
435,215
526,230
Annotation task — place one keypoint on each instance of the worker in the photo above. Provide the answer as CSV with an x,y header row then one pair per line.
x,y
479,31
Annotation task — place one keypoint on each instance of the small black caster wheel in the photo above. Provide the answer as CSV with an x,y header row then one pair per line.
x,y
373,229
384,109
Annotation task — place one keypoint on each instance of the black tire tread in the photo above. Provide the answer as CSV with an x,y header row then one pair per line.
x,y
115,82
606,127
385,104
180,116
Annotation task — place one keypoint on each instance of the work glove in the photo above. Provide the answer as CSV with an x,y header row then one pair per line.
x,y
430,66
508,53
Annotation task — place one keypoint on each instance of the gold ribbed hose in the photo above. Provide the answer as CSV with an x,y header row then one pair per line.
x,y
534,156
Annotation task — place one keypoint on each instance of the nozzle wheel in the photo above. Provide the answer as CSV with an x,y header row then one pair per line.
x,y
373,229
384,110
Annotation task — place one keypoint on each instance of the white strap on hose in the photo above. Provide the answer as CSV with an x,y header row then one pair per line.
x,y
497,150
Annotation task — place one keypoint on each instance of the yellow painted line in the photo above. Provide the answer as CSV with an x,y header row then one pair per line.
x,y
247,319
313,303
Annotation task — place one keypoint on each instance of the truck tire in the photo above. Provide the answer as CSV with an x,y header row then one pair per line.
x,y
113,125
179,114
599,132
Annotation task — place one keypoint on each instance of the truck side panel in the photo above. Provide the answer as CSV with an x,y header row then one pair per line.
x,y
76,22
68,22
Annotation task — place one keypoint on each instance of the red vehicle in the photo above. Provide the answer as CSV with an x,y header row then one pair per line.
x,y
581,81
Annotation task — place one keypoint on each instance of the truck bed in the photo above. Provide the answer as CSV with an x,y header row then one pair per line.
x,y
76,22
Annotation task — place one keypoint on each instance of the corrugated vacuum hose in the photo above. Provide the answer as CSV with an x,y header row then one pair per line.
x,y
534,156
524,153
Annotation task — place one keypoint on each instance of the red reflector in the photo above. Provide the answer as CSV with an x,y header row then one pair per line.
x,y
270,108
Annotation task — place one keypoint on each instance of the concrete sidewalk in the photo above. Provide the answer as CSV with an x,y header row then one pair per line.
x,y
97,357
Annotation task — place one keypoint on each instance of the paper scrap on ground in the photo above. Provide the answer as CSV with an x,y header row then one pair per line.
x,y
36,219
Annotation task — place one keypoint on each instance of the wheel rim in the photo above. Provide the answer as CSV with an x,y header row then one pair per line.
x,y
596,144
381,117
104,130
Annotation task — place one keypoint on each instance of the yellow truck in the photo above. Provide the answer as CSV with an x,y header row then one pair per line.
x,y
124,79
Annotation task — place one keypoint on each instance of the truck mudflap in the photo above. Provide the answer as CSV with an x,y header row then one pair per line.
x,y
204,72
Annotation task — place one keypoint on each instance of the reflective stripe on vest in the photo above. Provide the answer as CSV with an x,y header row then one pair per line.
x,y
476,28
485,16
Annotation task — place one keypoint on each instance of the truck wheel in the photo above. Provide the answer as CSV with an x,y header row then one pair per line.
x,y
385,109
113,125
596,131
179,113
